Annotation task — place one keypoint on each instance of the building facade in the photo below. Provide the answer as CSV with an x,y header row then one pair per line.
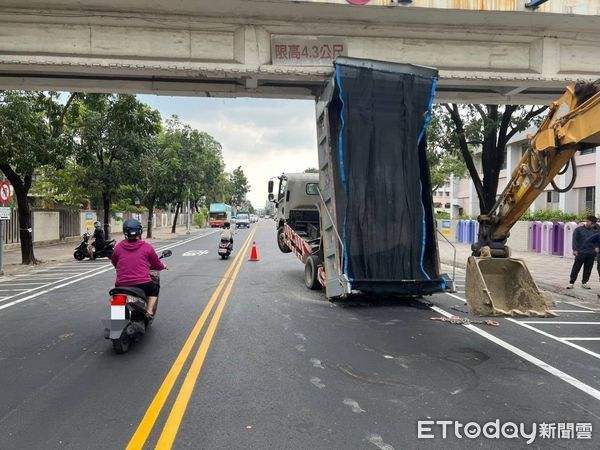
x,y
582,197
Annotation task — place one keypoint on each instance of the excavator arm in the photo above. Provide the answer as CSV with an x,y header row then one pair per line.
x,y
497,284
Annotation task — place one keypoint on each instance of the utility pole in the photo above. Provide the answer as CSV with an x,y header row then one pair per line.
x,y
189,214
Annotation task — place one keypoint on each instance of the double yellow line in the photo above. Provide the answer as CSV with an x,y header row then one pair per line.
x,y
169,432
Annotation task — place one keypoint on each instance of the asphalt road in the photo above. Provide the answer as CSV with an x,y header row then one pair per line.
x,y
242,355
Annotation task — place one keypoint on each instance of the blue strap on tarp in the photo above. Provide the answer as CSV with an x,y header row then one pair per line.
x,y
421,135
342,169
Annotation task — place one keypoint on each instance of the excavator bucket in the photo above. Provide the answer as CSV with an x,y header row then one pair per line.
x,y
504,287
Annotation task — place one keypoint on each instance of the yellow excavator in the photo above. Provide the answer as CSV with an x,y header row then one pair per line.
x,y
497,284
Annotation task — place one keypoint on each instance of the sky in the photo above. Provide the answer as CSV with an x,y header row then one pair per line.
x,y
264,136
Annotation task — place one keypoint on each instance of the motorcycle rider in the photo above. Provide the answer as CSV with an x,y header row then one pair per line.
x,y
133,259
227,234
99,239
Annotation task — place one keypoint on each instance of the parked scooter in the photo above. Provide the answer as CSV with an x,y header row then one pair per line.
x,y
81,251
128,320
225,249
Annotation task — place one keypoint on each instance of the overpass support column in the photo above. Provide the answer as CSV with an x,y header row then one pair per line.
x,y
544,56
252,45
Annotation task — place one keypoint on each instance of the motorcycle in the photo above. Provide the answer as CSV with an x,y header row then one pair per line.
x,y
128,320
81,251
225,249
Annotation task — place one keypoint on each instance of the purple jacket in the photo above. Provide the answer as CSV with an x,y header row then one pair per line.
x,y
134,261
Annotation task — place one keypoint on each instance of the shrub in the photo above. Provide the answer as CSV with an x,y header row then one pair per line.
x,y
200,219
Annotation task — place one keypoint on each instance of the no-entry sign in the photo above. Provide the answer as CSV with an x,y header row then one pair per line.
x,y
4,192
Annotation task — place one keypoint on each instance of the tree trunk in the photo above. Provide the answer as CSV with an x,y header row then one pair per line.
x,y
25,232
106,211
173,227
150,217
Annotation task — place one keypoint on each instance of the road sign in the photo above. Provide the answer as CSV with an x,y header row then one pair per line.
x,y
4,213
4,192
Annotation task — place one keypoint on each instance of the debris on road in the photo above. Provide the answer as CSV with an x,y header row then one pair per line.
x,y
464,321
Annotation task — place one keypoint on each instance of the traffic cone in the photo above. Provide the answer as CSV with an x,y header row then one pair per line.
x,y
254,253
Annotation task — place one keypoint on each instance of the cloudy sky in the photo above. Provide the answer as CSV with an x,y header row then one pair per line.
x,y
264,136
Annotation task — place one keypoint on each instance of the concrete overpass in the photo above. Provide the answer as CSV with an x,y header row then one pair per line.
x,y
487,50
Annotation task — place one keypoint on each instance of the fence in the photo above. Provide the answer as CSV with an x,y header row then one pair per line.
x,y
69,223
11,228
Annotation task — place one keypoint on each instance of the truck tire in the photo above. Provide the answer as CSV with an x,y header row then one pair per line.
x,y
281,241
311,270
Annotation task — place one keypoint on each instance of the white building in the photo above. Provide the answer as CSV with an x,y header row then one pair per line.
x,y
582,197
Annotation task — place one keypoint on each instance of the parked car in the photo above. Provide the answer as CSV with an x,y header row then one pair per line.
x,y
242,220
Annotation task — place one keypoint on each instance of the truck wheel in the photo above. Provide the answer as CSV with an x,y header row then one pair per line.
x,y
311,270
281,241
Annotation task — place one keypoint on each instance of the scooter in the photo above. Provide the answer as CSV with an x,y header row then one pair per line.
x,y
225,249
81,251
128,320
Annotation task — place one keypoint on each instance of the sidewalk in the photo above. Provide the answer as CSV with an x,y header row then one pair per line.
x,y
551,273
64,251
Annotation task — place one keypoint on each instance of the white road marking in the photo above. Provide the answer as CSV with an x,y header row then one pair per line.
x,y
317,363
557,322
300,336
580,306
317,382
300,348
90,273
457,297
354,405
377,441
195,253
530,358
556,338
580,339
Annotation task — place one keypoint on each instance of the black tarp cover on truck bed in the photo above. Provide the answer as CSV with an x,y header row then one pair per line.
x,y
378,116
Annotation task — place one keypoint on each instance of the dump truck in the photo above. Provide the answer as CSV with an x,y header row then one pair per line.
x,y
495,283
365,221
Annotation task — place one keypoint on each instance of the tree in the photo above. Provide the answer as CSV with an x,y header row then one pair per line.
x,y
442,163
240,186
192,163
487,126
311,170
32,136
114,131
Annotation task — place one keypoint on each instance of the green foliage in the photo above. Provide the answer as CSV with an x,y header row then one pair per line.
x,y
442,215
239,186
311,170
555,216
200,219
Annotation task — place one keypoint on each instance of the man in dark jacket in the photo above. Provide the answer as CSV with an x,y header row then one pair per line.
x,y
584,251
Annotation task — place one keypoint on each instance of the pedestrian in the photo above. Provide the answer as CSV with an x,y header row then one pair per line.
x,y
584,251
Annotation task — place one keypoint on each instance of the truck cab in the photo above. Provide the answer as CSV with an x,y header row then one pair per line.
x,y
297,203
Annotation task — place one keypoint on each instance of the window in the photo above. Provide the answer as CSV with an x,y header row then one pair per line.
x,y
312,188
588,151
590,198
282,187
503,162
552,197
447,193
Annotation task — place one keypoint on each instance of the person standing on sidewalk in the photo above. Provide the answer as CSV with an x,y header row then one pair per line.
x,y
584,251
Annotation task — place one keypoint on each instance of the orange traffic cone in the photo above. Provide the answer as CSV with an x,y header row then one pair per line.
x,y
254,253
